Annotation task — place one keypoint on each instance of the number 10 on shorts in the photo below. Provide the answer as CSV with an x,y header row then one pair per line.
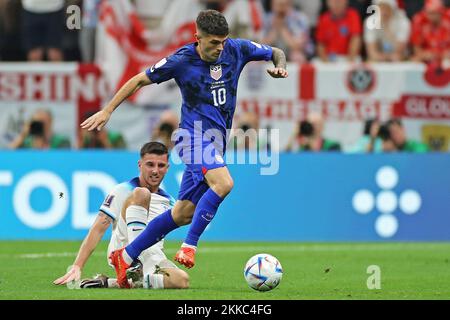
x,y
219,96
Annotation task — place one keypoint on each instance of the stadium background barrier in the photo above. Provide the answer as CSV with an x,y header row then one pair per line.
x,y
345,94
313,197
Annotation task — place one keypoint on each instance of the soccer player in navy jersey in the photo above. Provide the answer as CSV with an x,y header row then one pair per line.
x,y
207,73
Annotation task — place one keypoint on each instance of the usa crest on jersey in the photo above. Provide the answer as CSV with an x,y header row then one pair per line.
x,y
215,72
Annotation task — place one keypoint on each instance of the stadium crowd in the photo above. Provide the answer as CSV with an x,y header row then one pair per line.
x,y
322,30
327,30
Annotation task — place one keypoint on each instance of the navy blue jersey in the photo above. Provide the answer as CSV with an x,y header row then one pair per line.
x,y
208,88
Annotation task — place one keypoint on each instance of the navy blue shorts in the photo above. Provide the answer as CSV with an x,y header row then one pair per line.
x,y
198,161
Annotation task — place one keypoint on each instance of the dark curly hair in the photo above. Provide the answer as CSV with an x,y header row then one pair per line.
x,y
212,22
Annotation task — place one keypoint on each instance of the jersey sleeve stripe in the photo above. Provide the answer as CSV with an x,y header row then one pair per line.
x,y
108,213
136,223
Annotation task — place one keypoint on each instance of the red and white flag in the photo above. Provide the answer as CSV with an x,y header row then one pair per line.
x,y
123,48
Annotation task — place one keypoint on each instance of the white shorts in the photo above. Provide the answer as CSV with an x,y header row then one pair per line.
x,y
150,258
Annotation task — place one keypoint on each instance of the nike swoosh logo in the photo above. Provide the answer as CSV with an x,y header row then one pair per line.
x,y
137,229
88,285
206,218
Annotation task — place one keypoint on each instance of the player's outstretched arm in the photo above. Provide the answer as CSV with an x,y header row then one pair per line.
x,y
279,62
99,120
94,236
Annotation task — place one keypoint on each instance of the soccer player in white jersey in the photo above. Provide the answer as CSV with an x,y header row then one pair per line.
x,y
129,207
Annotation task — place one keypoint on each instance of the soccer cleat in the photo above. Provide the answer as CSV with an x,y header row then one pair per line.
x,y
121,267
99,281
135,271
186,257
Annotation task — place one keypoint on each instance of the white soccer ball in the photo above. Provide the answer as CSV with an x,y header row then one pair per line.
x,y
263,272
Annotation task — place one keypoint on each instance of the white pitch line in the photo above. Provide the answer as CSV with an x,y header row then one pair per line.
x,y
315,248
50,255
262,248
46,255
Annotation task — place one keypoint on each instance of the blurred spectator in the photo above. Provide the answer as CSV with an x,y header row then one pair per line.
x,y
338,33
361,7
309,136
388,43
310,8
173,27
10,40
398,135
151,12
266,5
88,30
387,144
103,139
71,37
247,135
218,5
168,123
38,133
245,19
288,29
370,140
412,7
43,29
431,33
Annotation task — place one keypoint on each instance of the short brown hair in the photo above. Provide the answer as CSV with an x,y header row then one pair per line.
x,y
154,147
212,22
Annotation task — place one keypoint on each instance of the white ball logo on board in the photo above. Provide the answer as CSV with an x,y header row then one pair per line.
x,y
386,202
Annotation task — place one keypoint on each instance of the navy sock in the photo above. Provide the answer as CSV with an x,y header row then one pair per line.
x,y
204,212
156,230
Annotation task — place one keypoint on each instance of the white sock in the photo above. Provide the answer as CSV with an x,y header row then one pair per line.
x,y
112,283
126,257
153,281
136,219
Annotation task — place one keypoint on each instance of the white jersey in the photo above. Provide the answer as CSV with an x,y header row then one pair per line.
x,y
113,206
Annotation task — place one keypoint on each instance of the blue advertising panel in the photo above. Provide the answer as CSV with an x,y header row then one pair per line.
x,y
307,197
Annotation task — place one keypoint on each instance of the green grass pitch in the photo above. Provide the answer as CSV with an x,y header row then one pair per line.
x,y
311,271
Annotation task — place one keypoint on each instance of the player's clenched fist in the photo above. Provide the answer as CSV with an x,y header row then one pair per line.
x,y
278,72
74,274
96,121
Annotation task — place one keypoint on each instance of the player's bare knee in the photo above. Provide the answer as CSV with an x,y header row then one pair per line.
x,y
182,213
187,216
224,187
141,197
183,219
229,185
